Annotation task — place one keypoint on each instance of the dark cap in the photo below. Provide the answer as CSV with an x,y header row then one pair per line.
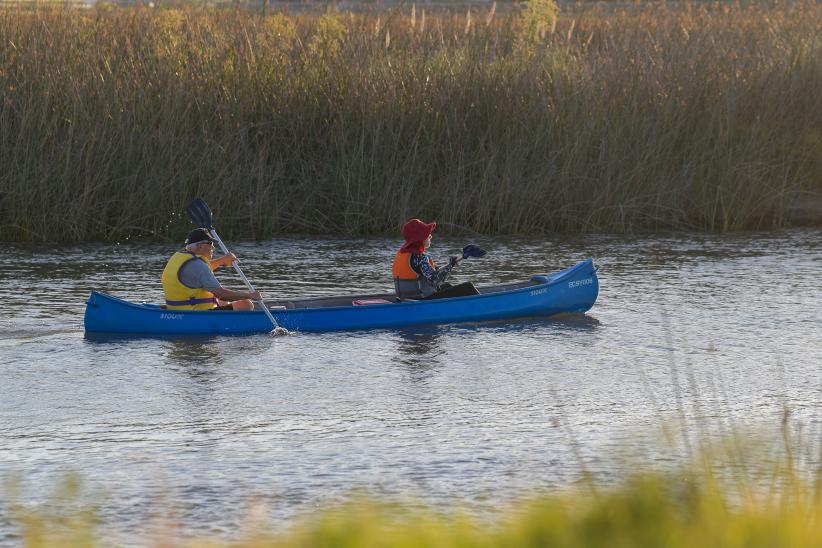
x,y
198,235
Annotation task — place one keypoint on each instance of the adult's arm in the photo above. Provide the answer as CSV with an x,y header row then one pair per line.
x,y
230,295
225,260
198,274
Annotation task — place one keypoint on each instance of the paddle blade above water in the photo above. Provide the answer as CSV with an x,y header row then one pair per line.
x,y
472,250
199,213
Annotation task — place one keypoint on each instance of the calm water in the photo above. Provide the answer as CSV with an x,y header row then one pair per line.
x,y
723,327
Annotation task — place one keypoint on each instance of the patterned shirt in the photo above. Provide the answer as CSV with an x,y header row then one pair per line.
x,y
420,265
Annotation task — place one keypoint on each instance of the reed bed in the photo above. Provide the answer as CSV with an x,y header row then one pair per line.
x,y
703,116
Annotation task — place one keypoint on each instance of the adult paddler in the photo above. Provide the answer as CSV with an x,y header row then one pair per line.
x,y
416,276
189,282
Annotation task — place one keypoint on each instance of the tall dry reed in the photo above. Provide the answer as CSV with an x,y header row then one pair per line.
x,y
700,117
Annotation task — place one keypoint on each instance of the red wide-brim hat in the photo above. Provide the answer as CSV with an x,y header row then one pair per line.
x,y
414,232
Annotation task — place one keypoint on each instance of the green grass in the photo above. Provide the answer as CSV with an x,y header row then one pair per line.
x,y
717,501
701,117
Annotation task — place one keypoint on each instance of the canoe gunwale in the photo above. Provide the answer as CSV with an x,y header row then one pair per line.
x,y
535,282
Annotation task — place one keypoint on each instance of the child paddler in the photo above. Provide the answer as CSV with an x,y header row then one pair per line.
x,y
416,276
189,282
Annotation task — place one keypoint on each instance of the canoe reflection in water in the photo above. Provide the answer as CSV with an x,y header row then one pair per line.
x,y
420,350
194,353
423,350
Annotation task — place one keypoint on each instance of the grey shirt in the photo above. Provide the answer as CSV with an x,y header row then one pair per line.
x,y
197,274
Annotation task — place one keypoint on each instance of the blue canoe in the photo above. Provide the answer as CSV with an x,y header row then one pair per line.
x,y
572,290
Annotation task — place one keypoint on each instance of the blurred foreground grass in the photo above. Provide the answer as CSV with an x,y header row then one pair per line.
x,y
711,501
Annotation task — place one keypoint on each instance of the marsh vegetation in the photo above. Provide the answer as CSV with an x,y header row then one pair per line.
x,y
701,117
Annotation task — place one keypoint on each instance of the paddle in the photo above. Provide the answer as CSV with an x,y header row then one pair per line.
x,y
471,250
201,216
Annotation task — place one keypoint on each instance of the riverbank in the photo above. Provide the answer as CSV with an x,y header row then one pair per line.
x,y
698,118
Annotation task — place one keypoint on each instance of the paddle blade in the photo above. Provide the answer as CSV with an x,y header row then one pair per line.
x,y
472,250
199,213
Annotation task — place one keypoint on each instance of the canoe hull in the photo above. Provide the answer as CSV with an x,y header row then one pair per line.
x,y
572,290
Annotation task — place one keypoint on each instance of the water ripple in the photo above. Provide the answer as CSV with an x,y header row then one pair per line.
x,y
725,329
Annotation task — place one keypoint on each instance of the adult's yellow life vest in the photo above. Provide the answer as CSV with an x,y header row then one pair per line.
x,y
407,283
178,295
